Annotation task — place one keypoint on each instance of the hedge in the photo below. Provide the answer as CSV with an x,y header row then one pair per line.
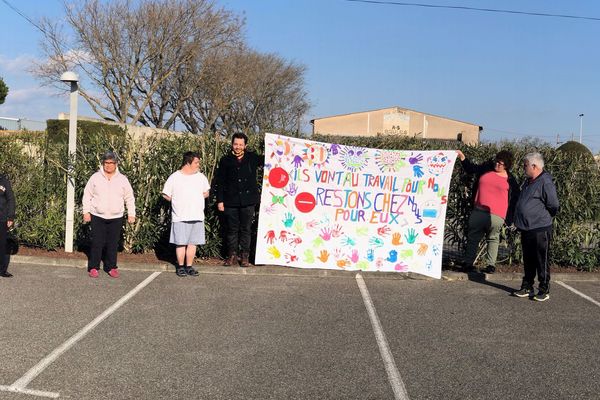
x,y
36,164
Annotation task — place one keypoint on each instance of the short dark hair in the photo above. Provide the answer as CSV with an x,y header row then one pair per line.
x,y
109,155
506,157
239,135
188,157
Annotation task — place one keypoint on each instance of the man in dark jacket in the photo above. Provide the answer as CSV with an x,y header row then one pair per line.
x,y
237,196
7,216
534,213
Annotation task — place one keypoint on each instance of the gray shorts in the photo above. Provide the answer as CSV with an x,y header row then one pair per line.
x,y
187,232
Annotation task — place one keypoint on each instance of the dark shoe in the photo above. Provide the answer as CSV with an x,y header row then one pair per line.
x,y
541,296
523,292
180,271
191,271
231,260
490,269
6,275
245,262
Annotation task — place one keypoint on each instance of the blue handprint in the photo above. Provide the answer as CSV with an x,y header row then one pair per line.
x,y
289,220
348,241
334,149
393,257
375,241
370,254
418,171
298,161
411,236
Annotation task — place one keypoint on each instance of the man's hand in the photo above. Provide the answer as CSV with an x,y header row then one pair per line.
x,y
130,219
9,223
87,217
461,155
221,206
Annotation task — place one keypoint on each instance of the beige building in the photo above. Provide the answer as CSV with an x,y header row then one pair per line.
x,y
397,121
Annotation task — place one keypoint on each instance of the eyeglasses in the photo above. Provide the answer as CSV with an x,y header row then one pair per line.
x,y
109,162
500,163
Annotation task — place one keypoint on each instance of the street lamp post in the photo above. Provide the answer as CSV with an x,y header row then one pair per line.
x,y
73,79
580,128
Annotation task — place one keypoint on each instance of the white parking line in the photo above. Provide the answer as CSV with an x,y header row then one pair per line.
x,y
384,349
577,292
20,384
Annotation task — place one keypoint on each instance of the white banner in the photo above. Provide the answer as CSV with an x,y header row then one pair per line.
x,y
343,207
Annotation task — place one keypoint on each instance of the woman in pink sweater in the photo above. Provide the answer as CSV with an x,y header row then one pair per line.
x,y
104,198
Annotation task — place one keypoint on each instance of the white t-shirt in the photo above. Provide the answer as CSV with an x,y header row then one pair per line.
x,y
187,195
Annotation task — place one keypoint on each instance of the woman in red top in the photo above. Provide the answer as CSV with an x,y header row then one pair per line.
x,y
496,192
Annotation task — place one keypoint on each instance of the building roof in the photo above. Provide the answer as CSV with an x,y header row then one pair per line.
x,y
397,107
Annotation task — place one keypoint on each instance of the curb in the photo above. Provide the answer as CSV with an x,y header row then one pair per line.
x,y
302,272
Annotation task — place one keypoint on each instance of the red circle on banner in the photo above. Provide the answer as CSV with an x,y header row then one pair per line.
x,y
278,178
305,202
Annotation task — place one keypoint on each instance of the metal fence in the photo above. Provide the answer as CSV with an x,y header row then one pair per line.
x,y
21,124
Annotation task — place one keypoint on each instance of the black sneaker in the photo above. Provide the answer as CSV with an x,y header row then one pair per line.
x,y
490,269
191,271
523,292
180,271
541,296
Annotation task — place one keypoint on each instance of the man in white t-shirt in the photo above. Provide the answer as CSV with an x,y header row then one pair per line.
x,y
186,189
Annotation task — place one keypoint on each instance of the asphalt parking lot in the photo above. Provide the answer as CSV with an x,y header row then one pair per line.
x,y
151,335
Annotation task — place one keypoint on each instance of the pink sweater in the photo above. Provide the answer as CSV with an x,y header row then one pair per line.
x,y
492,194
105,197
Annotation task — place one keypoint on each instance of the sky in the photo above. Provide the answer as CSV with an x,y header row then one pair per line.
x,y
515,75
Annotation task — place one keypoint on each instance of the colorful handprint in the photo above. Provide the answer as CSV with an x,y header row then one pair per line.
x,y
411,236
430,230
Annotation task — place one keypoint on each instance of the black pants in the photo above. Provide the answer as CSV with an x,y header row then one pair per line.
x,y
535,258
239,228
105,239
3,238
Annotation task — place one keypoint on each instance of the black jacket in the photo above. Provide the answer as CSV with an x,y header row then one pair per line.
x,y
7,200
236,181
513,187
538,203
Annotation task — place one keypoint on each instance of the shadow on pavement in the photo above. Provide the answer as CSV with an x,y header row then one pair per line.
x,y
481,278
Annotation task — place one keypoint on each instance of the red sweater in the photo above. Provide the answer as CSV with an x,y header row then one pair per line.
x,y
492,194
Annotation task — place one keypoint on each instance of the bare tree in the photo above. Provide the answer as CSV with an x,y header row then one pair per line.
x,y
243,90
132,54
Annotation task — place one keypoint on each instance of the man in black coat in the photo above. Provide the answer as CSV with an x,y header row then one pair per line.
x,y
237,197
7,216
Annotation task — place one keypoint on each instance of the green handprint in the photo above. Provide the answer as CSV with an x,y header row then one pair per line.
x,y
411,236
318,241
289,220
363,264
299,227
309,257
362,230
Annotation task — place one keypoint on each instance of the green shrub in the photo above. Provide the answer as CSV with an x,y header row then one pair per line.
x,y
36,164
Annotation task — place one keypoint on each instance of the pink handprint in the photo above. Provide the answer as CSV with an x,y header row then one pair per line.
x,y
354,257
283,236
325,233
337,231
312,224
